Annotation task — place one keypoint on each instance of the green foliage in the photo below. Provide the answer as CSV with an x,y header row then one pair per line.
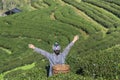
x,y
69,76
113,1
99,15
103,64
106,5
94,57
79,22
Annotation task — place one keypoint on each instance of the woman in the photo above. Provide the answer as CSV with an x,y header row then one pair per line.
x,y
57,57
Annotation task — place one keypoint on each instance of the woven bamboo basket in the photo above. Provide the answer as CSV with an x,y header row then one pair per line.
x,y
61,68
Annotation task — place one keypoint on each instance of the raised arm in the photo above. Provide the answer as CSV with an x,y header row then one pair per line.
x,y
38,50
67,49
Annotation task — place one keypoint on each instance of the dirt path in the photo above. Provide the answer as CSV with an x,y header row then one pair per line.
x,y
6,50
1,12
52,16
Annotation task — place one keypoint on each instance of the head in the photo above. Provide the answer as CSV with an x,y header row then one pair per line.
x,y
56,48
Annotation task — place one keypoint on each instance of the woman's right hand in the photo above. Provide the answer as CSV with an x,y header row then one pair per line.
x,y
31,46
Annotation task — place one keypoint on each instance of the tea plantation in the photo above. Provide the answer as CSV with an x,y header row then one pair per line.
x,y
96,55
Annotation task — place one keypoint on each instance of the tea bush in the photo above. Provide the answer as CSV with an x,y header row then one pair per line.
x,y
94,57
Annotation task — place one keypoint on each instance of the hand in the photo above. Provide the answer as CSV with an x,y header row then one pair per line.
x,y
31,46
75,38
